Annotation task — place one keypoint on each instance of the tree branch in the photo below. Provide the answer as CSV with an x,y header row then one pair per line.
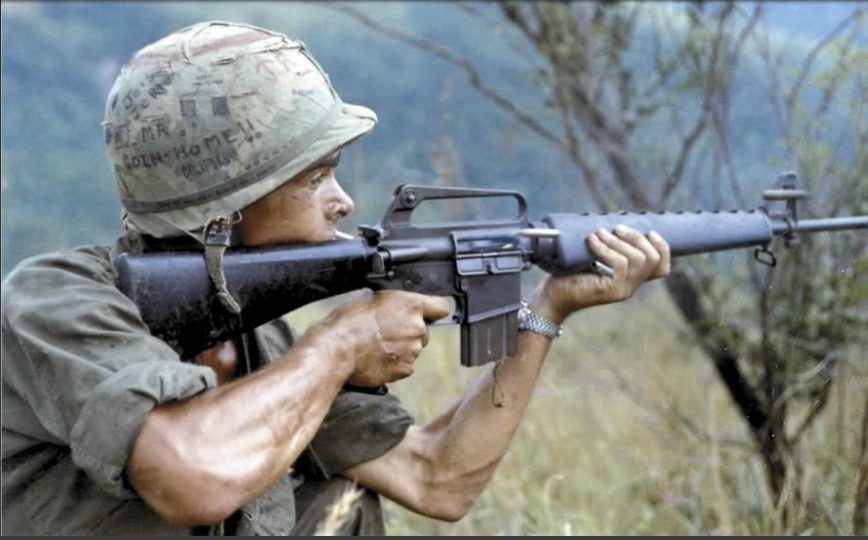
x,y
793,94
456,60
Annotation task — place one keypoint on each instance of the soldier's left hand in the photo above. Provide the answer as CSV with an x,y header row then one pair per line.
x,y
633,258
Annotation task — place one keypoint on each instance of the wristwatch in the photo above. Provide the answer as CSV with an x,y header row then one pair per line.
x,y
528,320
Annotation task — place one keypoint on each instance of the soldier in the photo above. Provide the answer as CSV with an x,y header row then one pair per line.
x,y
106,430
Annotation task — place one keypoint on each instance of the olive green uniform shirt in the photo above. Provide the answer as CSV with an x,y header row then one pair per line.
x,y
80,372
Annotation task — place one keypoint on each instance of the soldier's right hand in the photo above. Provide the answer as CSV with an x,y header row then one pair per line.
x,y
384,332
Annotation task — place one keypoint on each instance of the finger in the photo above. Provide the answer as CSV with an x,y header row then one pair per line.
x,y
634,255
435,308
612,258
662,247
637,240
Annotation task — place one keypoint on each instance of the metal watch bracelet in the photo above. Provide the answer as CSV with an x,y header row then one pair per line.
x,y
528,320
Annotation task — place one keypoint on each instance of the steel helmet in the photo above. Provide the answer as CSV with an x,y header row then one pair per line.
x,y
211,118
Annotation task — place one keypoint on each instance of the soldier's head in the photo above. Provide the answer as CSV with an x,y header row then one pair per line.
x,y
210,119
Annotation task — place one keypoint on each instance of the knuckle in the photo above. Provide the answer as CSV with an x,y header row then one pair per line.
x,y
404,371
420,328
634,236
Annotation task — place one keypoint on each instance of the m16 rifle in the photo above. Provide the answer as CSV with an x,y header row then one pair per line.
x,y
477,263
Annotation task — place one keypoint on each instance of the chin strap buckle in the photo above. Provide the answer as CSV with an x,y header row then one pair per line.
x,y
218,235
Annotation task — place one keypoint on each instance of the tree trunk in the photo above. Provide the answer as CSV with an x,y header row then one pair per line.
x,y
767,431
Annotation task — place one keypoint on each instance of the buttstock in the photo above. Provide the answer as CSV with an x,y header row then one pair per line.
x,y
179,304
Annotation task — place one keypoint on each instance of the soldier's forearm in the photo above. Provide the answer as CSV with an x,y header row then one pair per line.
x,y
439,470
196,461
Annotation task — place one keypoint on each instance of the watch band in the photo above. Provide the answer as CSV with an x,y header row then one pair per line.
x,y
528,320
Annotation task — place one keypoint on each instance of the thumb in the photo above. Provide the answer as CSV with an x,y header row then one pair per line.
x,y
435,308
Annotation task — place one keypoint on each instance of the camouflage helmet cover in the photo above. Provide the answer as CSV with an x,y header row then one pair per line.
x,y
211,118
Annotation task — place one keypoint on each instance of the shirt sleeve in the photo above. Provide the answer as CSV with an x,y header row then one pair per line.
x,y
77,352
361,425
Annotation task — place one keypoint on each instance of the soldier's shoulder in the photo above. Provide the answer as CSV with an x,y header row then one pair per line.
x,y
48,273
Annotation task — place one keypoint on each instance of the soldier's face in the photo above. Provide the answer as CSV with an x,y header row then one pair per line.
x,y
306,209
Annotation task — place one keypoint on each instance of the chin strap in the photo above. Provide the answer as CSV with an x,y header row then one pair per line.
x,y
217,236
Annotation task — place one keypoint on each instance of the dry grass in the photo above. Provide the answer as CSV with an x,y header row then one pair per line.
x,y
339,512
630,432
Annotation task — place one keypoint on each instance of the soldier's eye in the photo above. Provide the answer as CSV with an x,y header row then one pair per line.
x,y
316,179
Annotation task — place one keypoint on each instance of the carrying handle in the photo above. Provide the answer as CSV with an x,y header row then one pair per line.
x,y
407,198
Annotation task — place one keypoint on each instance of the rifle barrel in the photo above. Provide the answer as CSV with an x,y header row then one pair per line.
x,y
817,225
